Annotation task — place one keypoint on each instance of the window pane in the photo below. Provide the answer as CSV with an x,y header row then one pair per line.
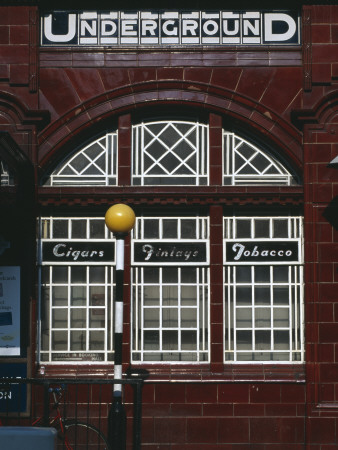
x,y
151,318
97,229
59,340
60,296
59,318
60,275
96,274
170,340
169,317
264,314
170,228
189,318
60,228
79,229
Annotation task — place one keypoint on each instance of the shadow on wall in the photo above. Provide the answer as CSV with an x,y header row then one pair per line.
x,y
331,213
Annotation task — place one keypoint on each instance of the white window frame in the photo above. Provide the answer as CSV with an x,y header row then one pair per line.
x,y
140,355
236,176
294,310
192,177
67,174
79,356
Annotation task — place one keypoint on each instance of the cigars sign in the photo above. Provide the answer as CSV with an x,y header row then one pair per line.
x,y
261,252
78,252
167,28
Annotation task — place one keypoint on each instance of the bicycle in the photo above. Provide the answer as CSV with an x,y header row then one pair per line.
x,y
72,434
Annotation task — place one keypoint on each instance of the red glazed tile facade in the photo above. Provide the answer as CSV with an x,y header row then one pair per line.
x,y
53,99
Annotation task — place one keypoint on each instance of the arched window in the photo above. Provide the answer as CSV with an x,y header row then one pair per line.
x,y
179,253
246,164
170,153
93,165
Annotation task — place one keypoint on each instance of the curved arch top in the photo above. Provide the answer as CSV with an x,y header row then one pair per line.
x,y
201,96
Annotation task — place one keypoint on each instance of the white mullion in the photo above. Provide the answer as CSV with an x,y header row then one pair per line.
x,y
301,308
141,309
271,223
68,305
160,311
272,312
253,309
179,310
230,297
198,299
234,271
106,167
296,318
229,157
292,286
141,147
50,340
137,272
88,312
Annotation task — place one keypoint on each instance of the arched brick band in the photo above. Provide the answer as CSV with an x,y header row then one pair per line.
x,y
202,96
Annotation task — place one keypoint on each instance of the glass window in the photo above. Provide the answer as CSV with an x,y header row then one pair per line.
x,y
170,153
246,164
170,290
263,295
6,174
93,165
76,292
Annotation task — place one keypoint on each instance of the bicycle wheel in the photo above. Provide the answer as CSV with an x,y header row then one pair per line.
x,y
82,436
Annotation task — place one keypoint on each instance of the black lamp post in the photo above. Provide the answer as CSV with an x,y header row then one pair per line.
x,y
119,219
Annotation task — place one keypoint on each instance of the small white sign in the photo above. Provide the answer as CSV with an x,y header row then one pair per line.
x,y
9,311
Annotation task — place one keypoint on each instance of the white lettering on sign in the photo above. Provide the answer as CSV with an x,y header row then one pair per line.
x,y
149,250
240,250
62,251
167,28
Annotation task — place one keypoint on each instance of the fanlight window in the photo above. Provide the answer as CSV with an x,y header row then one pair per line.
x,y
246,164
95,164
170,153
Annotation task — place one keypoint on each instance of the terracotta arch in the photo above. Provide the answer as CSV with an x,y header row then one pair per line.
x,y
195,95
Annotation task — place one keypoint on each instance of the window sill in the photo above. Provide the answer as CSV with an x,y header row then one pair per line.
x,y
257,373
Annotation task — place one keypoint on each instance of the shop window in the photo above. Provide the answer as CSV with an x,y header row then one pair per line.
x,y
6,175
246,164
263,295
170,290
170,263
77,280
170,153
93,165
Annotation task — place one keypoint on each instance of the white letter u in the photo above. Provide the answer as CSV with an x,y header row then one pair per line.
x,y
60,37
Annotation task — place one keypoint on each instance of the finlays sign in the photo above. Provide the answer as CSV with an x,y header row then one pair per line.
x,y
169,28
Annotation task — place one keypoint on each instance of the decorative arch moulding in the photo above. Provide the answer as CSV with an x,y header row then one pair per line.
x,y
325,112
117,102
18,114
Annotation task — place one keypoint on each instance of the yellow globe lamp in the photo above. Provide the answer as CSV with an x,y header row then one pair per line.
x,y
120,218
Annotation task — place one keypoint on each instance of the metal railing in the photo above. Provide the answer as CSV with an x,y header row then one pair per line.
x,y
31,402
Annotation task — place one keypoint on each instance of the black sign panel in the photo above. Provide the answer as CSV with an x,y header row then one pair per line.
x,y
260,252
78,252
170,253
